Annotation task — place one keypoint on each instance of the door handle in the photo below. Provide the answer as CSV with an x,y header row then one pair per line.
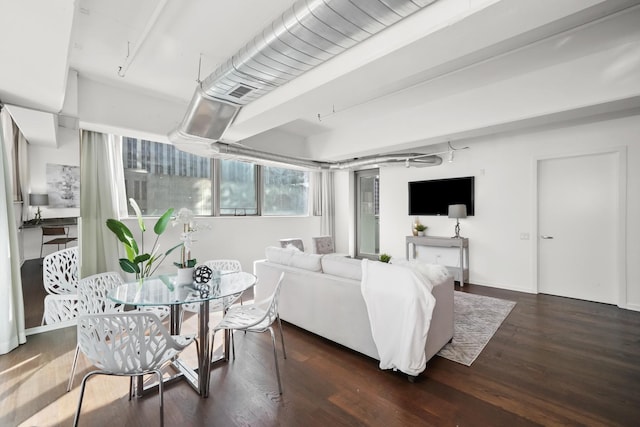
x,y
546,237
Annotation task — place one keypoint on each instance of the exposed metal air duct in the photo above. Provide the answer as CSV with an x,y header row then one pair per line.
x,y
240,152
306,35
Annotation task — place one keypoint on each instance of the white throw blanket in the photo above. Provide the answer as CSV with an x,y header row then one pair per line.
x,y
400,304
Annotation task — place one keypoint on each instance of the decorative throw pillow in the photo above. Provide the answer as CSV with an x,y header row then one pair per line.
x,y
323,245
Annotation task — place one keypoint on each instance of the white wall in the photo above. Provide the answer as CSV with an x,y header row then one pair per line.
x,y
344,213
504,167
241,238
67,153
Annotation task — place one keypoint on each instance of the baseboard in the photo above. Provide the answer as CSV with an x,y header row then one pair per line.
x,y
47,328
633,307
506,288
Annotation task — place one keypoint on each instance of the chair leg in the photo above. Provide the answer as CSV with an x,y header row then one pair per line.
x,y
275,358
282,337
82,387
73,368
233,343
160,390
213,337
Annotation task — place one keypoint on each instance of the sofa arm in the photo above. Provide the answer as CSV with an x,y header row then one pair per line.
x,y
441,328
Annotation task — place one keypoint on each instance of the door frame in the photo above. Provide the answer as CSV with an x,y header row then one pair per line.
x,y
621,238
356,210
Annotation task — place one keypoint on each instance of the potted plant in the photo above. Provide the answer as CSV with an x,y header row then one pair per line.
x,y
142,264
186,264
384,258
420,228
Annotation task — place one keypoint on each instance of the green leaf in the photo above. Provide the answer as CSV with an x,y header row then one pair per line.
x,y
172,249
162,222
141,258
191,263
123,233
128,266
136,208
131,254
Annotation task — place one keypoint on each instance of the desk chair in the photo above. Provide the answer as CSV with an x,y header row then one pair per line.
x,y
56,231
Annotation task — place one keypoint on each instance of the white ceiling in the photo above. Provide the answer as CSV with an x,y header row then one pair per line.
x,y
171,38
172,43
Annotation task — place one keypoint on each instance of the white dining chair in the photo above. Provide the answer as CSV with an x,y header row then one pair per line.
x,y
93,299
60,281
128,344
216,305
257,317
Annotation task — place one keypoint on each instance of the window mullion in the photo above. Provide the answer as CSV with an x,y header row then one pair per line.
x,y
259,189
215,176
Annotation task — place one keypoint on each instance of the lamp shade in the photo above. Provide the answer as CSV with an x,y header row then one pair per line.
x,y
457,211
38,199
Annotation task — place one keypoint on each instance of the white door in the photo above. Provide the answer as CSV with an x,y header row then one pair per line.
x,y
578,227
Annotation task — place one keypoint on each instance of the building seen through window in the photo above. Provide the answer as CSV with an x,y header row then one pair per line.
x,y
285,191
159,176
238,188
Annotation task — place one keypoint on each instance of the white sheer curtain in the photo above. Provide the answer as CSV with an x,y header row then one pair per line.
x,y
323,202
23,174
102,196
11,304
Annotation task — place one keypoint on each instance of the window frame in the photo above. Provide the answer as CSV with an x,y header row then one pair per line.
x,y
216,178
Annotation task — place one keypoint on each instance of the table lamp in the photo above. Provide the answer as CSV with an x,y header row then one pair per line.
x,y
38,200
457,212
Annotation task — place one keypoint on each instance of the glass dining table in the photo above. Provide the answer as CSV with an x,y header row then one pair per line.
x,y
163,291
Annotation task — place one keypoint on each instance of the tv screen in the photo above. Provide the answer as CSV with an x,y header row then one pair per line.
x,y
434,197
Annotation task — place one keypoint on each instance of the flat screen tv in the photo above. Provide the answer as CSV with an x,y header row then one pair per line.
x,y
433,197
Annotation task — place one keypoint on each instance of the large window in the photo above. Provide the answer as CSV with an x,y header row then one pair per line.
x,y
238,188
285,191
159,176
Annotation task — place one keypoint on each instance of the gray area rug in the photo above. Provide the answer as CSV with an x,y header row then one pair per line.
x,y
477,318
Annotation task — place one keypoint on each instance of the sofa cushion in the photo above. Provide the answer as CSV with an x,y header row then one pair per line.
x,y
342,266
306,261
293,258
279,255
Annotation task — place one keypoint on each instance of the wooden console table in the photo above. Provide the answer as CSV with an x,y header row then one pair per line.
x,y
460,273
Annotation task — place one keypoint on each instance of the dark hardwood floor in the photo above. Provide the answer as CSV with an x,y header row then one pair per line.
x,y
554,361
33,292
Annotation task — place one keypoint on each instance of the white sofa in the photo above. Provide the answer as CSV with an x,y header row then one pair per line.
x,y
321,293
